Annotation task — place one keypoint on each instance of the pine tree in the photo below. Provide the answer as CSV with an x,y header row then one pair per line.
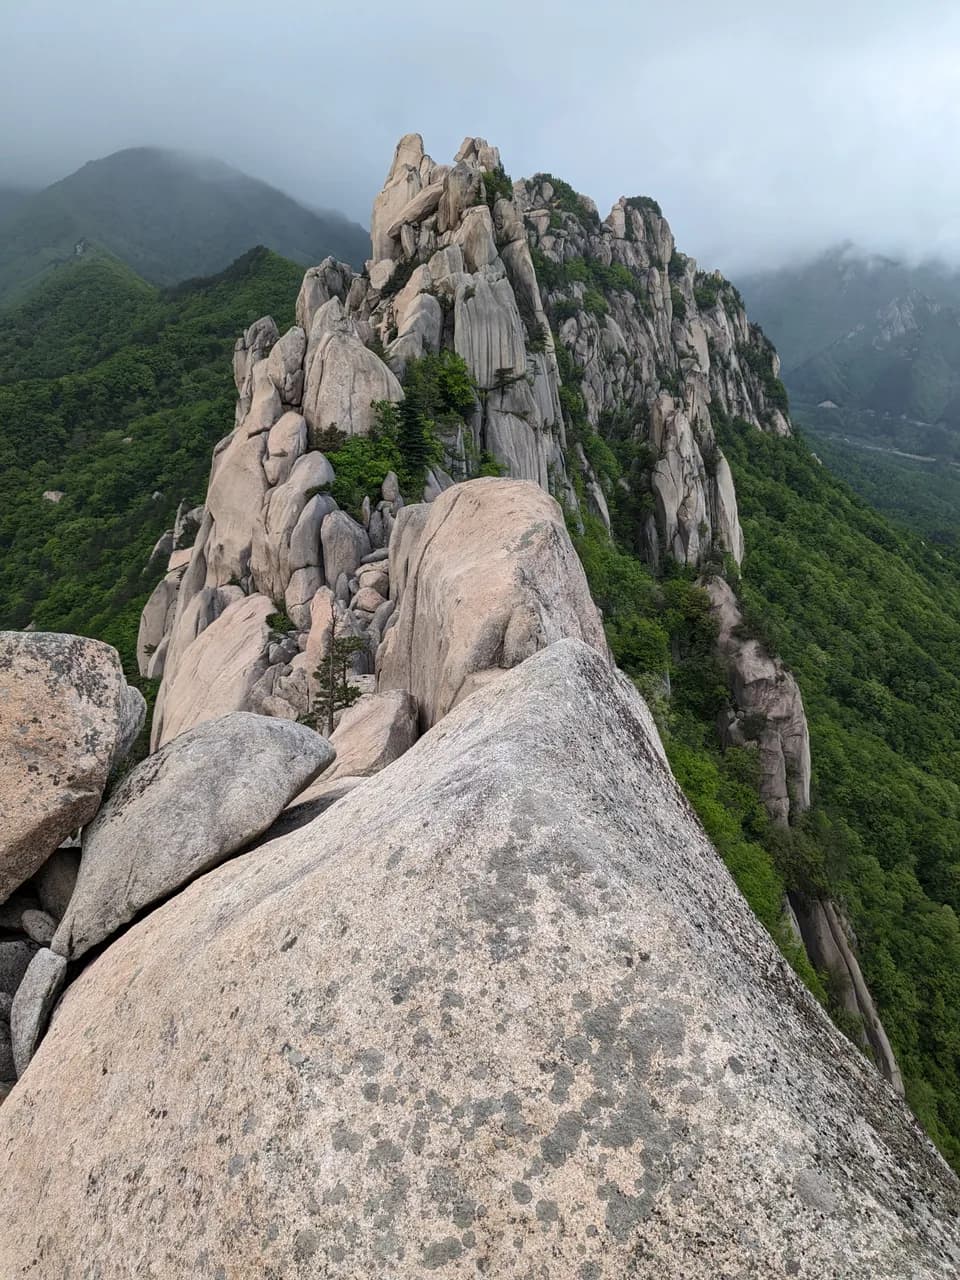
x,y
335,690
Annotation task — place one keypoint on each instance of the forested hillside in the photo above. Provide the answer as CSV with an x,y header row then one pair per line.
x,y
113,393
868,619
168,216
871,358
922,494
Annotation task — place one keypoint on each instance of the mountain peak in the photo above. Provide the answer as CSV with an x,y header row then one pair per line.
x,y
170,215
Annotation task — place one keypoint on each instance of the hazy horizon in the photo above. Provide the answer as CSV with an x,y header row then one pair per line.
x,y
765,137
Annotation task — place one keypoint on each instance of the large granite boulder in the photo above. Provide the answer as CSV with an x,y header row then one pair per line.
x,y
35,998
67,716
484,576
371,734
217,671
180,812
501,1010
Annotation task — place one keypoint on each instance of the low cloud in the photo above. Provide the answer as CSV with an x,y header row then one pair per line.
x,y
765,131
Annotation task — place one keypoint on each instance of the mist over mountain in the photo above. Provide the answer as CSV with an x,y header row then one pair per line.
x,y
805,307
168,215
765,140
870,347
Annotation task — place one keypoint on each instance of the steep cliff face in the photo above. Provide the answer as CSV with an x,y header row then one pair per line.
x,y
656,347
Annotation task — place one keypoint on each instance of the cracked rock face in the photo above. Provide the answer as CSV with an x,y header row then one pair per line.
x,y
502,276
500,1003
67,717
181,811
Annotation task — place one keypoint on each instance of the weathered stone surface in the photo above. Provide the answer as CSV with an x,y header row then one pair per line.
x,y
67,716
485,576
156,619
825,940
249,350
15,956
345,543
234,498
193,616
316,799
403,184
298,597
367,599
54,882
331,279
8,1069
488,331
286,441
373,733
505,997
270,560
305,539
32,1005
374,576
770,710
285,365
343,378
180,812
38,926
217,671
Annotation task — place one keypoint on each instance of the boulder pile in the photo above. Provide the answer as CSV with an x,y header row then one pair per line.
x,y
68,720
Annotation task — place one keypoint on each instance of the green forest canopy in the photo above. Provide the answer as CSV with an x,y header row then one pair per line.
x,y
113,392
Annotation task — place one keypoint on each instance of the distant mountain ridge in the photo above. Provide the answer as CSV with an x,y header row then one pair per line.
x,y
806,307
167,215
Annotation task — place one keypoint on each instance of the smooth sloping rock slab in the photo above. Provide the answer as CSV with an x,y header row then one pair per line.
x,y
373,733
500,1011
67,715
36,996
180,812
485,576
216,673
317,799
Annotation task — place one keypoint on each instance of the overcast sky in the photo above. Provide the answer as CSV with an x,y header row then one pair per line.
x,y
766,128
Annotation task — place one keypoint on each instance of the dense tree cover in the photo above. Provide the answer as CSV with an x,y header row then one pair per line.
x,y
74,319
868,618
662,635
120,416
920,493
422,431
166,215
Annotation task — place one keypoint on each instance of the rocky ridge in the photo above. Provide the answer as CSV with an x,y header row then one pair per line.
x,y
499,1009
446,596
517,279
574,330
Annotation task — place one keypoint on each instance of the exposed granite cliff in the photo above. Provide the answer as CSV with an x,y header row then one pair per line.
x,y
574,329
493,912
